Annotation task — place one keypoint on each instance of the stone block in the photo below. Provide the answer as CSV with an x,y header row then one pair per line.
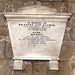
x,y
73,72
53,0
6,67
71,24
18,4
72,34
5,0
67,33
66,37
30,3
71,0
60,6
23,0
72,65
72,62
3,32
2,7
71,7
9,52
26,71
2,50
2,4
67,50
42,68
2,20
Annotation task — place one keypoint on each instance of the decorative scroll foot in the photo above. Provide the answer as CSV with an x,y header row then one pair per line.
x,y
53,65
18,65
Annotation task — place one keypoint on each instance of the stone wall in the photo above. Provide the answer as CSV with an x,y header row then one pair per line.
x,y
66,65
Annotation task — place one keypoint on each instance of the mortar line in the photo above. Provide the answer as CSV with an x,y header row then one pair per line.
x,y
5,51
32,68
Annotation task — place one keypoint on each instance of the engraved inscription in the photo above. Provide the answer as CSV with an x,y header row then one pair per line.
x,y
36,37
37,26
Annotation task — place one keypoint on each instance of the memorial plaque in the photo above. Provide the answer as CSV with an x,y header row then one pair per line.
x,y
36,33
36,38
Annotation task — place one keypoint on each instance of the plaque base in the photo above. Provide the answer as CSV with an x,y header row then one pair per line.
x,y
18,65
53,65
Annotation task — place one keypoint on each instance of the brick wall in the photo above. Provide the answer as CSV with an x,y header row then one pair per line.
x,y
38,67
